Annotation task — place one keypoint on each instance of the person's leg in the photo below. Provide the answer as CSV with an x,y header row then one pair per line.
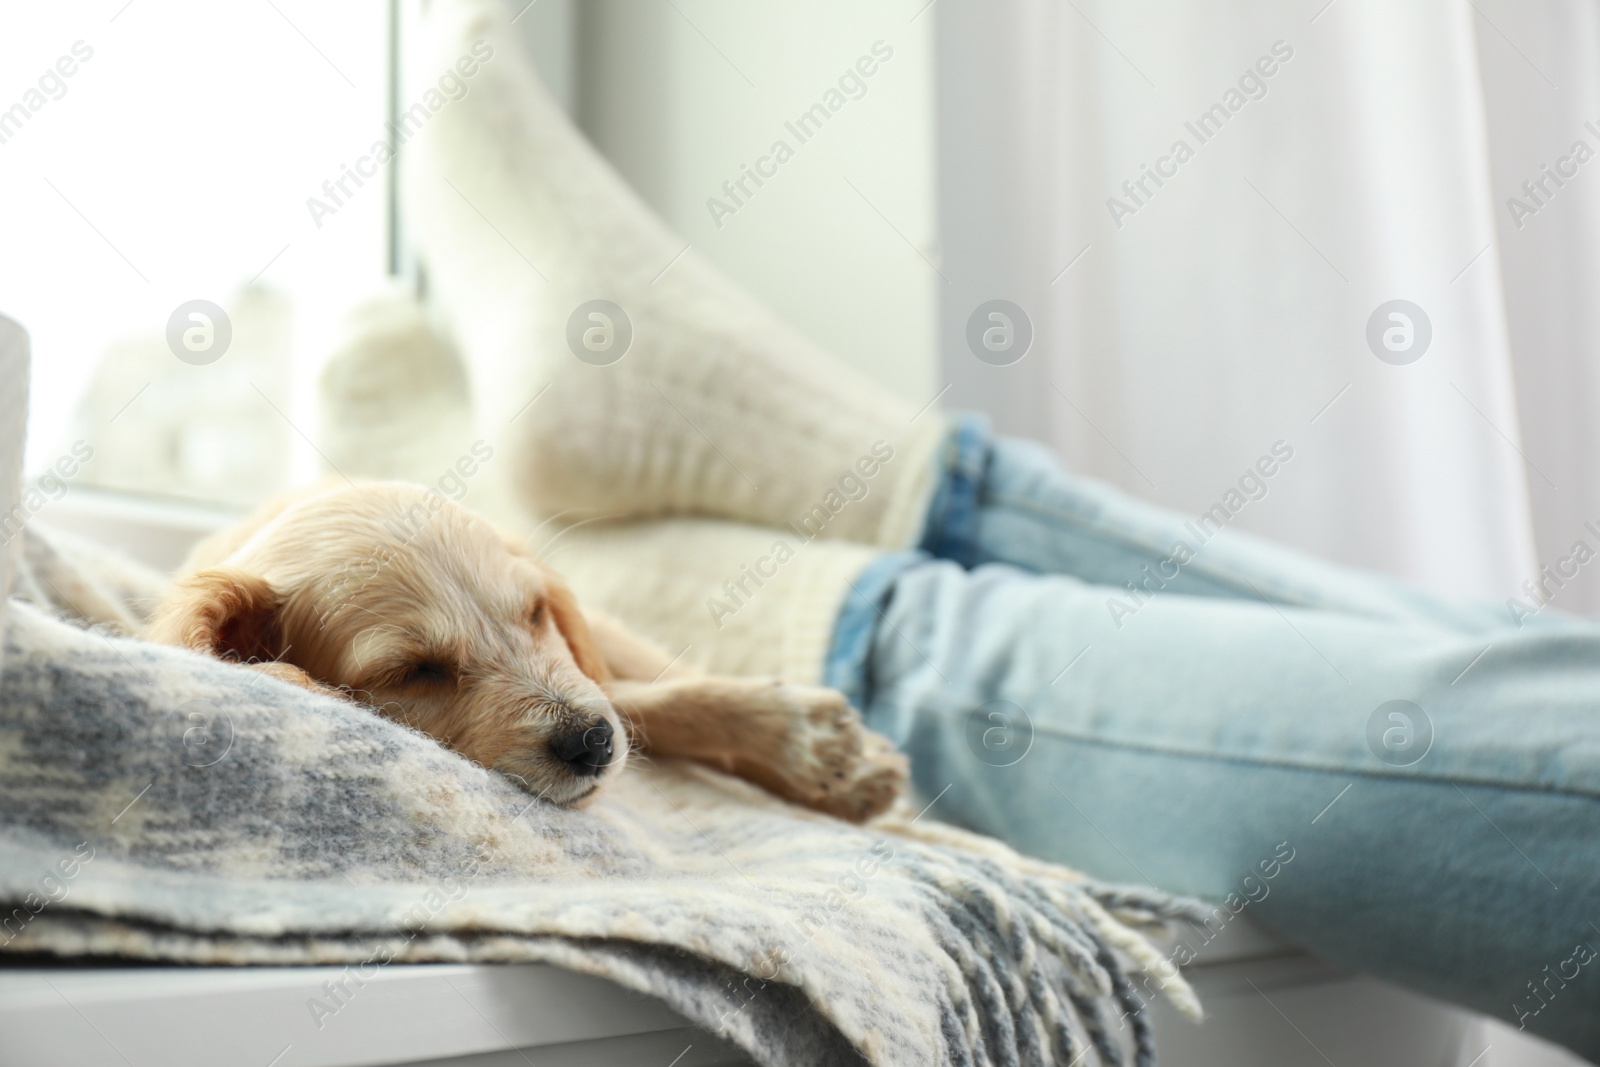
x,y
1383,790
615,371
1005,500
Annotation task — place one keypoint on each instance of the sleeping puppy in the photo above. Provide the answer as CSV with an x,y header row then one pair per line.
x,y
433,617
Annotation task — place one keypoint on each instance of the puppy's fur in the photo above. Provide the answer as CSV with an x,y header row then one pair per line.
x,y
391,596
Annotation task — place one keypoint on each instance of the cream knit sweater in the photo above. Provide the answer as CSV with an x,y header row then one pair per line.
x,y
685,401
729,598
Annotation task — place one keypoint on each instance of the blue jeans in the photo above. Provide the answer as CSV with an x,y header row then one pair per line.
x,y
1157,699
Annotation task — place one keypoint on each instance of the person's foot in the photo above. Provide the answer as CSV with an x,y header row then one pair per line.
x,y
620,387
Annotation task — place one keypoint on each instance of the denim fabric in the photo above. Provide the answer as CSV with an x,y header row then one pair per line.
x,y
1432,768
849,658
951,529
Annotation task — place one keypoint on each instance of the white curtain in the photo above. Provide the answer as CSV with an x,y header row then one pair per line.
x,y
1362,152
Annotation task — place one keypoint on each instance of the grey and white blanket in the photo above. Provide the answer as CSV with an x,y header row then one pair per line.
x,y
159,805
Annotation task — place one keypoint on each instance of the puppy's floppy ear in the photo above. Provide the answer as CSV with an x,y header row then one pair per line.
x,y
222,611
575,629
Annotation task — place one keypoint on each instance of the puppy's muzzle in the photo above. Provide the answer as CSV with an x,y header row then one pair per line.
x,y
586,750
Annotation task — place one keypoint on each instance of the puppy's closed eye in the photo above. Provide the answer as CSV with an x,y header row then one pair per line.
x,y
429,673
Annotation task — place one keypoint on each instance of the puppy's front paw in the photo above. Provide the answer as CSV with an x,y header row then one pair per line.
x,y
880,779
828,760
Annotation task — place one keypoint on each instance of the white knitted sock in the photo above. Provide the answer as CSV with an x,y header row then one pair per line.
x,y
716,407
730,598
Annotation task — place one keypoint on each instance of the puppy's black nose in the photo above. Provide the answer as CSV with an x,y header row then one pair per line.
x,y
585,751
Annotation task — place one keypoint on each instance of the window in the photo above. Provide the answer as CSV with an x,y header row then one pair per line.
x,y
153,155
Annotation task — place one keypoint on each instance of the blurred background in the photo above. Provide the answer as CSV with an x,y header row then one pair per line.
x,y
1205,213
1435,153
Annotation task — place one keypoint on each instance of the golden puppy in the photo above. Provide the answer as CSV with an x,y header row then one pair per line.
x,y
392,596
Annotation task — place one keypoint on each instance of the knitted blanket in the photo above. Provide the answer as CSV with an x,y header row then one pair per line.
x,y
160,805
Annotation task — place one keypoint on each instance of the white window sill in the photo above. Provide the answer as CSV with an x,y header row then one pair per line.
x,y
418,1013
154,531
